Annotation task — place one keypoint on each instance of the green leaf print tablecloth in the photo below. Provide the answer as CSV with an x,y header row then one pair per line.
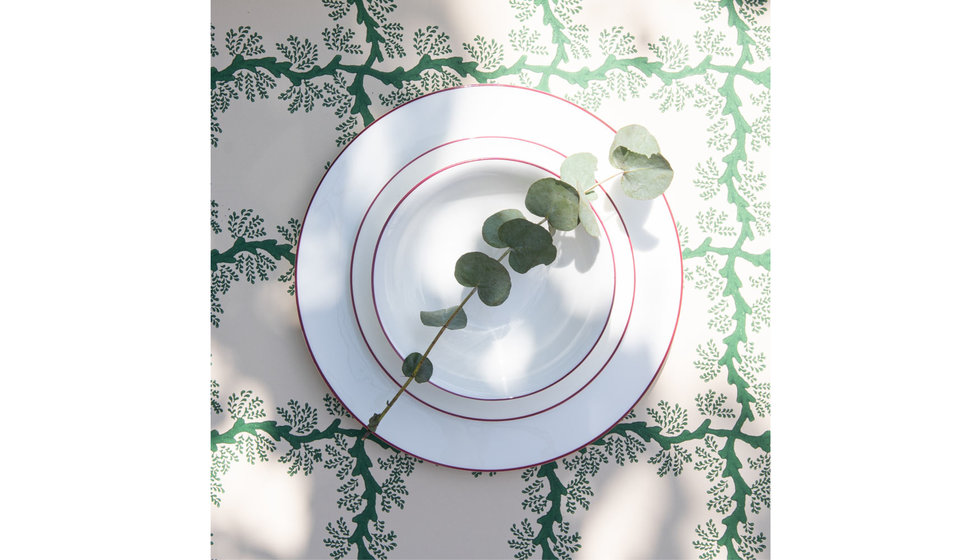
x,y
685,475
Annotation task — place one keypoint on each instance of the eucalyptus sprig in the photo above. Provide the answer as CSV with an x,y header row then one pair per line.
x,y
564,204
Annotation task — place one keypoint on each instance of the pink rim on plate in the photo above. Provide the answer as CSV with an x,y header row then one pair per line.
x,y
541,402
396,382
328,318
434,382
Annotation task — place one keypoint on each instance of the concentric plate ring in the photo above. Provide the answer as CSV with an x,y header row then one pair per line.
x,y
327,317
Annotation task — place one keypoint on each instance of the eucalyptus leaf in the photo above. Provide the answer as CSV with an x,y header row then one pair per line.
x,y
424,370
493,223
555,200
489,277
645,177
588,219
578,170
634,138
530,245
438,318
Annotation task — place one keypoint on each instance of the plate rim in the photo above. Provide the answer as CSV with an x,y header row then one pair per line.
x,y
616,302
598,338
653,378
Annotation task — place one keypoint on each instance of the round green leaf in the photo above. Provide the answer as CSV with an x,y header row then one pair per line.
x,y
645,177
588,219
634,138
438,318
530,245
578,170
493,223
555,200
424,370
489,277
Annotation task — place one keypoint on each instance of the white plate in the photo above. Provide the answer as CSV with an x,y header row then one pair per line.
x,y
561,361
511,361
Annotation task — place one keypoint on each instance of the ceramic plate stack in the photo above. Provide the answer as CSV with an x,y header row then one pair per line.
x,y
575,345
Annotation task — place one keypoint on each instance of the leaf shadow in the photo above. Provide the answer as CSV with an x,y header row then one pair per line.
x,y
636,212
578,248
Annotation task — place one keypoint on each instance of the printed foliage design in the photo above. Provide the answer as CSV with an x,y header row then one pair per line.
x,y
362,64
296,441
252,254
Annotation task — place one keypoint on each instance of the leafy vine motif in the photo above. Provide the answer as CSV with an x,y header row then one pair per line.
x,y
253,255
711,74
306,84
298,443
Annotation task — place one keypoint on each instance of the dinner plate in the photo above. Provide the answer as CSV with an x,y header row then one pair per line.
x,y
572,349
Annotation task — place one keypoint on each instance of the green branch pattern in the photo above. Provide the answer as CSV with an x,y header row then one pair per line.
x,y
252,254
761,259
723,445
731,540
339,448
545,497
452,69
241,245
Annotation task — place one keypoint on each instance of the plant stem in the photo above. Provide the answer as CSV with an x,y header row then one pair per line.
x,y
376,419
606,180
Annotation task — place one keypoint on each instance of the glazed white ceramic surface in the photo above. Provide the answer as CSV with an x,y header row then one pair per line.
x,y
523,355
561,361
